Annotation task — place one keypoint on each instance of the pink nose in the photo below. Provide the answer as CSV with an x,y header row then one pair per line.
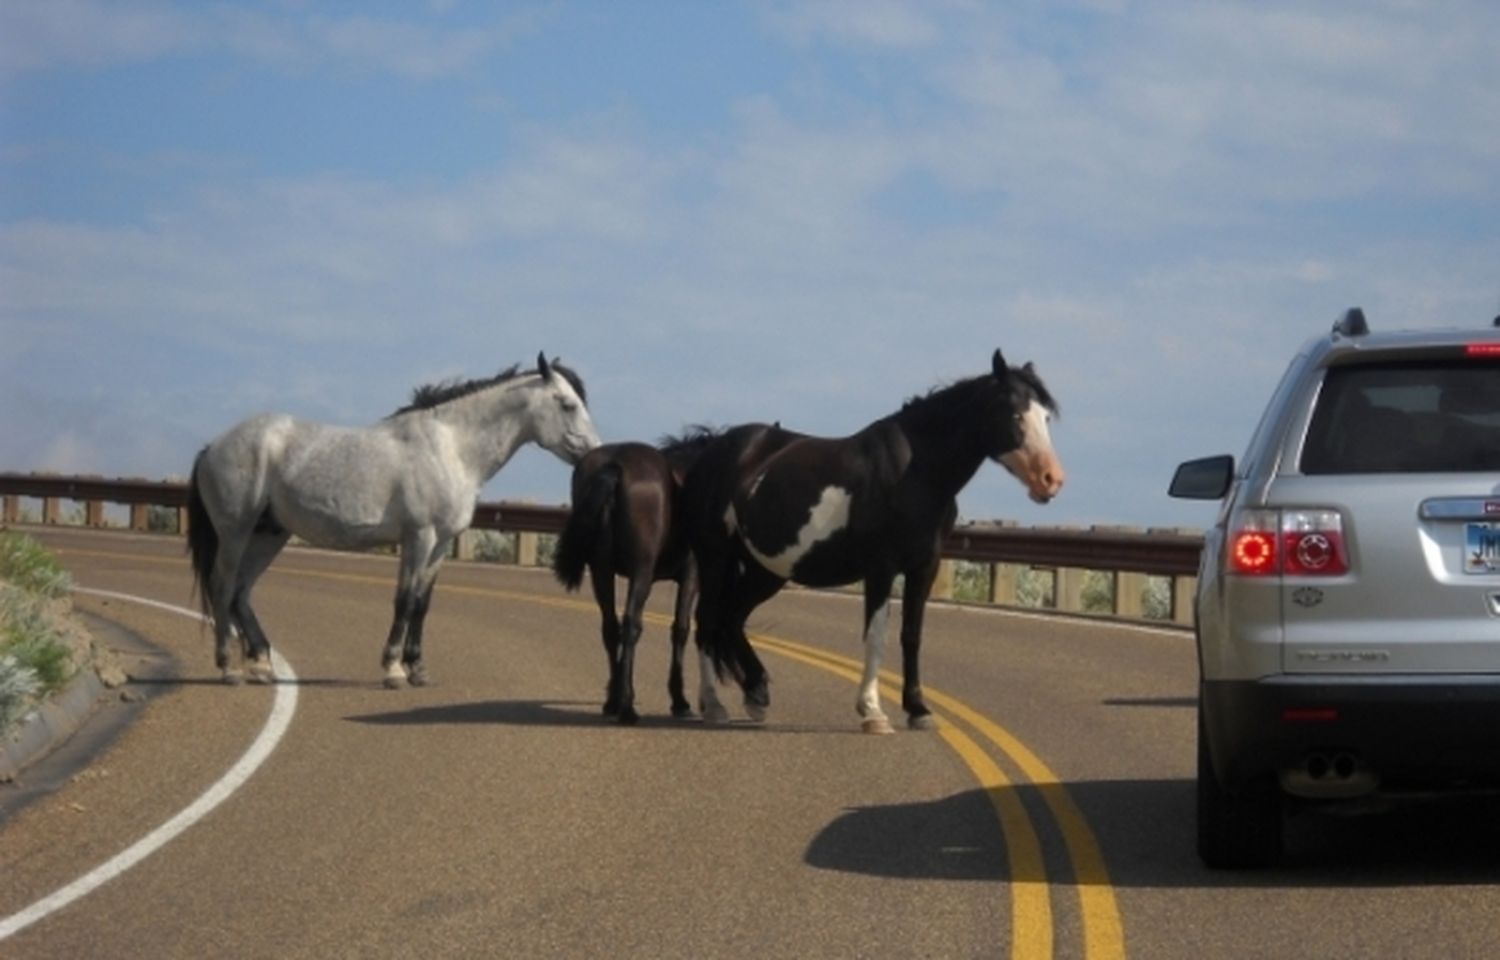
x,y
1048,482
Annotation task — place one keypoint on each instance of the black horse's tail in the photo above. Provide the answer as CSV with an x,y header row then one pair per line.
x,y
202,538
588,522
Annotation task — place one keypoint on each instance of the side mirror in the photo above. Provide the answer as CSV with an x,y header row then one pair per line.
x,y
1205,479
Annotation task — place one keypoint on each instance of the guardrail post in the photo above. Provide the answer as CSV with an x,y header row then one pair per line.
x,y
1067,593
942,584
1183,590
463,544
1003,580
1129,588
526,544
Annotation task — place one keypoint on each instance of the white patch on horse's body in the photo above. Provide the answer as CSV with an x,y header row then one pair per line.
x,y
829,515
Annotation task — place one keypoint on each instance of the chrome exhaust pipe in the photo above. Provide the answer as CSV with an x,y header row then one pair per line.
x,y
1325,776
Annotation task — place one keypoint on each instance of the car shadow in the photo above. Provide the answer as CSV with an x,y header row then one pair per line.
x,y
1144,829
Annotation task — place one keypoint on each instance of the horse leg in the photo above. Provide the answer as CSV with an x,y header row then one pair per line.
x,y
877,616
411,651
602,579
222,591
713,570
630,635
408,574
265,544
687,592
411,657
752,588
913,606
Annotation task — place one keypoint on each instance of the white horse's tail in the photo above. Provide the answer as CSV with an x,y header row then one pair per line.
x,y
202,538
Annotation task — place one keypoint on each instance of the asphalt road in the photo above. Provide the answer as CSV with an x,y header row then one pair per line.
x,y
495,814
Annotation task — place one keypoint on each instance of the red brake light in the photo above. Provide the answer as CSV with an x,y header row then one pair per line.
x,y
1482,350
1292,543
1253,552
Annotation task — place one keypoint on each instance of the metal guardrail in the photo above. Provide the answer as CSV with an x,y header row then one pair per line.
x,y
1165,553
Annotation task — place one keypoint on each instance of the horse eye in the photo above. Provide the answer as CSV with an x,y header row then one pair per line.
x,y
568,406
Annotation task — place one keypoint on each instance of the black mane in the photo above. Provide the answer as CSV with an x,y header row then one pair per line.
x,y
960,393
685,447
436,394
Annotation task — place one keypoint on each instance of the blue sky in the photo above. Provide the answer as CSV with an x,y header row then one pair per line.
x,y
721,212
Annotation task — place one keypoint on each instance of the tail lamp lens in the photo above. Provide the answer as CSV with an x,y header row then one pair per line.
x,y
1306,543
1314,541
1253,544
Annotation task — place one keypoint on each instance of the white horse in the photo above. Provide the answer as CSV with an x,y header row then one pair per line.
x,y
412,479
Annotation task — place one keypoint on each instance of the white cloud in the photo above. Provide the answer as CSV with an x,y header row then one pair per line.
x,y
887,24
95,34
88,33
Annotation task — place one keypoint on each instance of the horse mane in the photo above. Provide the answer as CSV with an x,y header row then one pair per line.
x,y
436,394
960,392
685,448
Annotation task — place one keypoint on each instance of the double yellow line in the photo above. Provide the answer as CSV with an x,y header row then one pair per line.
x,y
1031,903
1031,894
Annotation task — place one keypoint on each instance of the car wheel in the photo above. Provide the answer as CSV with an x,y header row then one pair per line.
x,y
1236,828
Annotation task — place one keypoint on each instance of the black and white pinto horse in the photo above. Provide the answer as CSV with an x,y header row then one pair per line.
x,y
768,505
624,522
412,479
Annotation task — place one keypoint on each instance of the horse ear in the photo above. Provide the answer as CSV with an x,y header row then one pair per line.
x,y
542,366
998,367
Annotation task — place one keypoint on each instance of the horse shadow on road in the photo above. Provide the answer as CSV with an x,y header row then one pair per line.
x,y
523,713
1145,830
568,713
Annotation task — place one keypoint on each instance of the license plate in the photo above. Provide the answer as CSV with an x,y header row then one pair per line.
x,y
1482,548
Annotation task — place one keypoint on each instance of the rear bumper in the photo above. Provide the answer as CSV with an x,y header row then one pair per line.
x,y
1413,732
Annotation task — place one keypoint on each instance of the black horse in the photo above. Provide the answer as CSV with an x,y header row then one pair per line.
x,y
624,522
767,505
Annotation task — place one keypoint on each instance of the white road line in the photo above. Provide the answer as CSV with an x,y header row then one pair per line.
x,y
282,708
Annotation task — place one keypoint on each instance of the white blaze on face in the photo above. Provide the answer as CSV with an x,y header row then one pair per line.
x,y
1034,463
829,515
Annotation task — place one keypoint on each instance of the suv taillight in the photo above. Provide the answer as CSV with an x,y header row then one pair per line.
x,y
1292,543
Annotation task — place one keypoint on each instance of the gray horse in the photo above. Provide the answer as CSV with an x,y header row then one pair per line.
x,y
412,479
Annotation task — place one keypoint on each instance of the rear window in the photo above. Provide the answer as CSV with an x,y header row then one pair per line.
x,y
1409,417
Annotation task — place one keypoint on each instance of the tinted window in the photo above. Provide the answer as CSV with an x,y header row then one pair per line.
x,y
1415,417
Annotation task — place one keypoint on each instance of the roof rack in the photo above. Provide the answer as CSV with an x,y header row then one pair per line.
x,y
1352,324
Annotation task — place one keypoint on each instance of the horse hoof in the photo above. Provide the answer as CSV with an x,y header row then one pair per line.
x,y
629,718
233,678
715,714
756,712
922,721
261,671
682,711
394,683
877,725
417,678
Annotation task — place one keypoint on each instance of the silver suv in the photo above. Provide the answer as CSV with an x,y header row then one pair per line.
x,y
1348,604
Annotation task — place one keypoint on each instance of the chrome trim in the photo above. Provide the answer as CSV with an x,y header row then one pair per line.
x,y
1461,508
